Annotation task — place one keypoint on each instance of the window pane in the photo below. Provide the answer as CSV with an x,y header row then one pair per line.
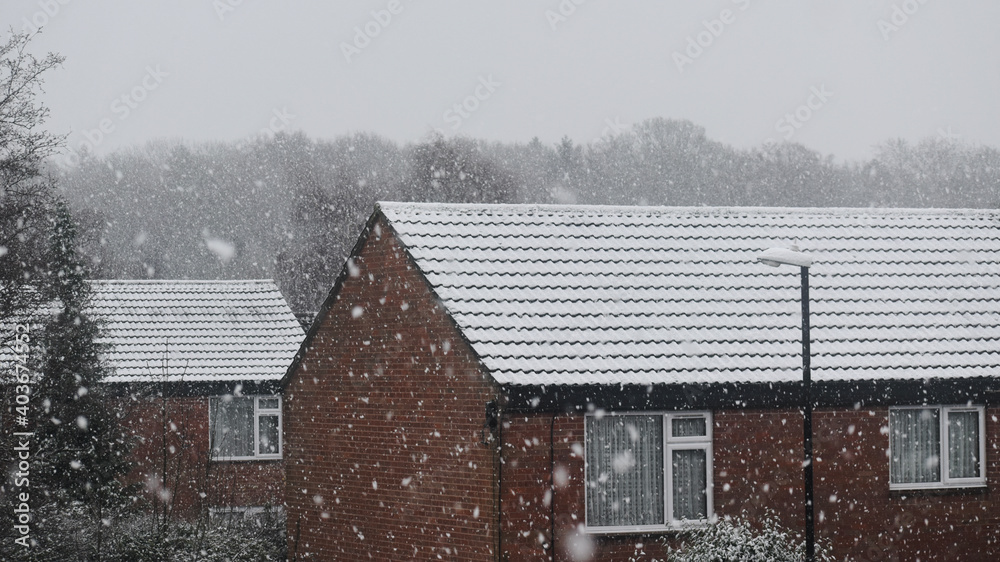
x,y
268,435
625,470
915,441
689,485
687,427
267,403
225,516
963,444
232,427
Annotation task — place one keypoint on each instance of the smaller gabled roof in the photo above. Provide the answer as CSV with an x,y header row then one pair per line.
x,y
590,295
195,331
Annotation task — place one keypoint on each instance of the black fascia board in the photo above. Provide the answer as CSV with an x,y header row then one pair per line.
x,y
190,388
727,396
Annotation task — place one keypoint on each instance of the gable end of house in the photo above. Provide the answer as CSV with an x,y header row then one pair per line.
x,y
377,225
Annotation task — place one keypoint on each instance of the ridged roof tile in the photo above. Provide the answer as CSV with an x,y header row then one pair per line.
x,y
195,331
613,295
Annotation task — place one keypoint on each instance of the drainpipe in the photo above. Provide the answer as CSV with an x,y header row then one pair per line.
x,y
552,487
499,449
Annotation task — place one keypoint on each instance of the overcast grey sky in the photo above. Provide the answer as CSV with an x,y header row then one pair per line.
x,y
836,75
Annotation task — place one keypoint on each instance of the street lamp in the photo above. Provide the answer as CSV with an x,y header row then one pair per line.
x,y
782,256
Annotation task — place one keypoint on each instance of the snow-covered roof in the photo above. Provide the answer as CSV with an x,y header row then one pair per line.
x,y
195,331
640,295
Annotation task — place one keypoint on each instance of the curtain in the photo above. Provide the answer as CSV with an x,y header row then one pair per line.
x,y
232,427
268,434
625,470
688,427
915,441
963,444
689,486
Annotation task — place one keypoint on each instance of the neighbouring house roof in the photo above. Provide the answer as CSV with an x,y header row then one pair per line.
x,y
195,331
583,295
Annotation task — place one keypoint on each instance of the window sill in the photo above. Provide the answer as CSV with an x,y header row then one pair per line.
x,y
246,459
646,531
968,489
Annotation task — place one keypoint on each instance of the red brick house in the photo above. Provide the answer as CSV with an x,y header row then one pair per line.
x,y
196,366
583,383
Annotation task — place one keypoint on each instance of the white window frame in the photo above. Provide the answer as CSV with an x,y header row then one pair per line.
x,y
944,460
670,444
243,514
258,412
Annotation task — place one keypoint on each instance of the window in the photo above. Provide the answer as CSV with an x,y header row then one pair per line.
x,y
256,516
936,446
245,427
648,471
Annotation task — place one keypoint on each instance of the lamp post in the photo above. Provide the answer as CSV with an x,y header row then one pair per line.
x,y
781,256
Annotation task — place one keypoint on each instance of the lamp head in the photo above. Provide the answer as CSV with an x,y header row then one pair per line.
x,y
785,256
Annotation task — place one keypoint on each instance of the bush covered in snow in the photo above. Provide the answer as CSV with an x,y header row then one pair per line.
x,y
70,533
183,541
737,539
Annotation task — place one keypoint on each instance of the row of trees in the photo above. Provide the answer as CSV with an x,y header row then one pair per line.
x,y
291,207
66,451
70,449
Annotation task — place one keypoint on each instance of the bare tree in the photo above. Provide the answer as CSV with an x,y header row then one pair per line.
x,y
26,194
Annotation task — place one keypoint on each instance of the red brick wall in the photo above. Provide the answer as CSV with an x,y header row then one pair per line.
x,y
526,494
383,423
179,427
529,472
757,466
867,522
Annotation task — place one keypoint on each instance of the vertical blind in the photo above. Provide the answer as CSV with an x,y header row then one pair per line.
x,y
917,444
268,435
628,484
963,444
687,427
232,427
690,500
625,470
